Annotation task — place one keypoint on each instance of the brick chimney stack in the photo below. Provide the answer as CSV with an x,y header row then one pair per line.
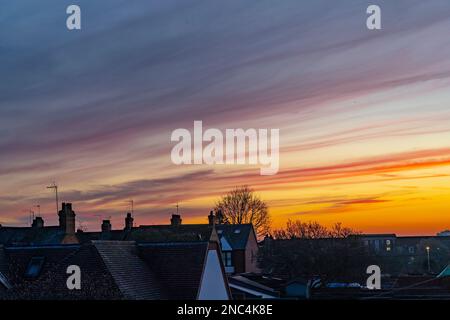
x,y
38,222
219,217
106,226
67,219
129,222
175,220
211,218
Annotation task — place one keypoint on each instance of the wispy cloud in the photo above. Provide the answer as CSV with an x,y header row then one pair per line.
x,y
94,109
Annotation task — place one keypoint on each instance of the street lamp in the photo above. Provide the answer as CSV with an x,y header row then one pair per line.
x,y
428,256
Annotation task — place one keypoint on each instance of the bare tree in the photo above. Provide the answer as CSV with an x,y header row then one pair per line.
x,y
241,205
301,230
338,231
312,230
308,249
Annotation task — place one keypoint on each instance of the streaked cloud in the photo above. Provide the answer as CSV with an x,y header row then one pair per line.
x,y
93,110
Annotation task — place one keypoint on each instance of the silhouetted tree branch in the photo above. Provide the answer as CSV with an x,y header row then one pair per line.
x,y
241,205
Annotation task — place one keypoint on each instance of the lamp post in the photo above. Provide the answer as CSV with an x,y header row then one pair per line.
x,y
428,256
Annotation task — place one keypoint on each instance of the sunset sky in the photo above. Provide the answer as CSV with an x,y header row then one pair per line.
x,y
364,116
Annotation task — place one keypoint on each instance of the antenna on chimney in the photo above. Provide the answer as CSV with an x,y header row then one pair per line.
x,y
177,207
28,211
54,186
31,215
131,202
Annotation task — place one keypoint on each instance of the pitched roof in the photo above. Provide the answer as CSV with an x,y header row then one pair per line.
x,y
84,237
178,266
31,236
153,234
96,281
169,233
3,262
4,281
236,234
133,277
110,270
254,285
444,273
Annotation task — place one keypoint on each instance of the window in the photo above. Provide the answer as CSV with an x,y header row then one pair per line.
x,y
411,250
388,245
377,245
34,267
237,231
227,261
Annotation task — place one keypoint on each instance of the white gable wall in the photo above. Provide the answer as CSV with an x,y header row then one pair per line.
x,y
213,285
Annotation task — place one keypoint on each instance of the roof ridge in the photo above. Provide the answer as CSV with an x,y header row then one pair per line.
x,y
172,243
115,242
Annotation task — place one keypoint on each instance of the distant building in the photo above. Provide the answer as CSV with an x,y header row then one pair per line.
x,y
239,247
445,233
381,244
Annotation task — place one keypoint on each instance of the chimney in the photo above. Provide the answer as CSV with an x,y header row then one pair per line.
x,y
38,222
211,218
106,226
175,220
67,218
129,222
219,217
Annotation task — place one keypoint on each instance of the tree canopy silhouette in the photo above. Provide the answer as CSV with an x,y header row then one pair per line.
x,y
241,205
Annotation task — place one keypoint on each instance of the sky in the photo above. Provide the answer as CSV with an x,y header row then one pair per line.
x,y
364,115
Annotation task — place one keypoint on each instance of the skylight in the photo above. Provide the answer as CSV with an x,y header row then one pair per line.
x,y
34,267
4,281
